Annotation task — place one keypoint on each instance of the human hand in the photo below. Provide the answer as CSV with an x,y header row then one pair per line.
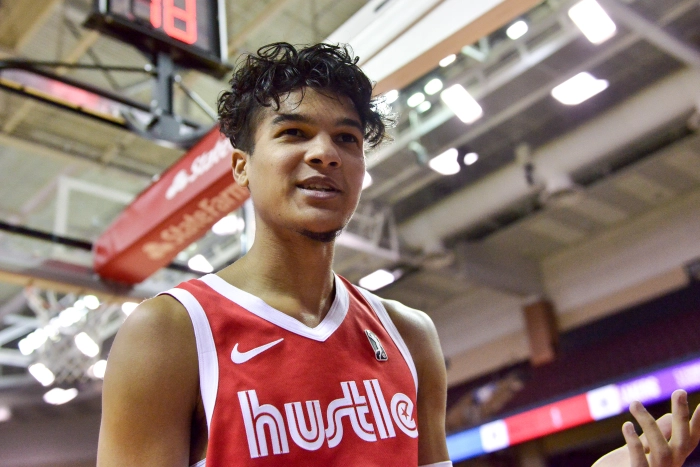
x,y
666,442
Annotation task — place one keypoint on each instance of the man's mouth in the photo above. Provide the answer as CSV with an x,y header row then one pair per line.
x,y
316,187
319,184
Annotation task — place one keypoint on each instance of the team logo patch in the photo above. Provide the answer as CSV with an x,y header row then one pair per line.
x,y
379,351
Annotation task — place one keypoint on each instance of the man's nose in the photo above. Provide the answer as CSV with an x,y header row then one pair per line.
x,y
323,151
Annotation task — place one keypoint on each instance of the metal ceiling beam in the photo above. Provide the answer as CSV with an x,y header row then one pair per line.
x,y
652,32
547,49
407,181
65,157
87,41
516,107
491,83
443,31
75,274
68,278
15,381
13,305
593,142
13,332
11,357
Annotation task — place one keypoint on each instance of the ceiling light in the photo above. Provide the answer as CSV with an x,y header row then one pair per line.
x,y
58,396
433,86
129,307
581,87
25,348
447,60
391,96
86,345
415,99
98,369
446,163
52,329
367,181
593,21
92,302
377,280
471,158
5,413
424,106
228,225
517,30
33,341
462,103
42,374
70,316
199,263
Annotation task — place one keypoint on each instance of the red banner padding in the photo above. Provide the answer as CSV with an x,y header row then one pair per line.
x,y
187,200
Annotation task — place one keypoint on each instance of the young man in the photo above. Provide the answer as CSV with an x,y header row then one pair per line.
x,y
275,360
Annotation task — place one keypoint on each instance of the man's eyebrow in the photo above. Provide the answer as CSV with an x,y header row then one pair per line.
x,y
281,118
350,122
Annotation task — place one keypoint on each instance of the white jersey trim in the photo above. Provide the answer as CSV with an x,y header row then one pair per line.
x,y
258,307
204,461
437,464
388,324
206,350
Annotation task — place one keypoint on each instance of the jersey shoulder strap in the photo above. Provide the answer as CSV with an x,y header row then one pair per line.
x,y
379,309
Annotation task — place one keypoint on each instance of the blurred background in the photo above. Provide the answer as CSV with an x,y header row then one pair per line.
x,y
540,201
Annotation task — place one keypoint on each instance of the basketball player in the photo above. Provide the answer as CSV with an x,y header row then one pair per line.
x,y
275,360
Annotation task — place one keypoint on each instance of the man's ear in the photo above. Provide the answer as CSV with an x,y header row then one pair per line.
x,y
239,165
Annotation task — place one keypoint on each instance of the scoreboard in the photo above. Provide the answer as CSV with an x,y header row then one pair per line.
x,y
192,32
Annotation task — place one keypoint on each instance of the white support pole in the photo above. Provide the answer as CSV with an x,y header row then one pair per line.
x,y
652,32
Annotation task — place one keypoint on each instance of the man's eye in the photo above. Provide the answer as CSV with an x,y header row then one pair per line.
x,y
293,132
347,138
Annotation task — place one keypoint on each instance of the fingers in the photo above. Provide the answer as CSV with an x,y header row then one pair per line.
x,y
680,440
634,446
660,452
664,423
695,428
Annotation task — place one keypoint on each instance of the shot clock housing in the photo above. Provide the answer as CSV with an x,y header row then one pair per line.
x,y
191,32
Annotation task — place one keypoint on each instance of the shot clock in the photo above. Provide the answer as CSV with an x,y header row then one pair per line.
x,y
192,32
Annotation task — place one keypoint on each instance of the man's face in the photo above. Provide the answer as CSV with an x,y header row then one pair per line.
x,y
306,171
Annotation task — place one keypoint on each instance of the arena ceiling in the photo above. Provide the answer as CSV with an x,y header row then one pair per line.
x,y
558,196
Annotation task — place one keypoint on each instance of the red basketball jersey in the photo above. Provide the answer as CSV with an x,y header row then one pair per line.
x,y
278,393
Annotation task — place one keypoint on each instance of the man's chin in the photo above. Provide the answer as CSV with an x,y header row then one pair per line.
x,y
323,237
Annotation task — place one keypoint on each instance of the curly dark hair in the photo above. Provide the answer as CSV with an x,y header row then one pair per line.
x,y
259,80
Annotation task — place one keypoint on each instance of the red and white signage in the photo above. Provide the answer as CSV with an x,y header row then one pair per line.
x,y
188,199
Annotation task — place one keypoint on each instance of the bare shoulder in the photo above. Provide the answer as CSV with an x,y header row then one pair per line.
x,y
157,318
155,343
150,388
416,329
421,338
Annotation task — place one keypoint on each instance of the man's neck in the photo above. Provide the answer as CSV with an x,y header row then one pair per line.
x,y
292,273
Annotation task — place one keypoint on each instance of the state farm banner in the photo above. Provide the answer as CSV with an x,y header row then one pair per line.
x,y
188,199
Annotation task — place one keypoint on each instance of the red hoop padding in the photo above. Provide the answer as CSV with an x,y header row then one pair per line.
x,y
188,199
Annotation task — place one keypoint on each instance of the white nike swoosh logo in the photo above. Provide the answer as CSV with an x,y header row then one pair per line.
x,y
242,357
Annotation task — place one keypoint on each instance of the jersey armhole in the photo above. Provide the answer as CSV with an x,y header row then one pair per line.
x,y
391,329
206,349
